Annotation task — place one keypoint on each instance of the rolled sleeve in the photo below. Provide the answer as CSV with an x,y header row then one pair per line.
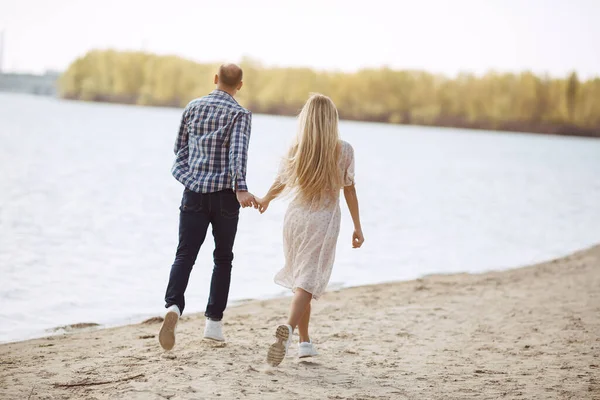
x,y
238,151
182,136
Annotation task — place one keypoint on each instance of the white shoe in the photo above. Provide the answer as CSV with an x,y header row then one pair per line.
x,y
166,336
279,349
213,330
306,349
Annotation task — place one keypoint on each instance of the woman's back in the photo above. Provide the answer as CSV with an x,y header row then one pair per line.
x,y
316,168
328,197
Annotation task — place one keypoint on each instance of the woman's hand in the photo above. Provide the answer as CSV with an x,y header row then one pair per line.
x,y
276,189
357,239
263,204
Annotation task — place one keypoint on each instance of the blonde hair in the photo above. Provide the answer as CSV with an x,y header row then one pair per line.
x,y
311,166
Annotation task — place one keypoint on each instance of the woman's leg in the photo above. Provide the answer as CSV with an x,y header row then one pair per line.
x,y
303,325
283,333
300,302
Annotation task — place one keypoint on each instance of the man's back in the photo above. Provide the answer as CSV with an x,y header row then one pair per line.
x,y
212,144
211,154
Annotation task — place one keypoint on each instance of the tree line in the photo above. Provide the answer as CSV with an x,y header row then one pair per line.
x,y
502,101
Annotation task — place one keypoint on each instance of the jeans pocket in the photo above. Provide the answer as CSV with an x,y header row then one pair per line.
x,y
191,201
230,207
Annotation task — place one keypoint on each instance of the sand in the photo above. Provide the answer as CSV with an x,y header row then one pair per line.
x,y
528,333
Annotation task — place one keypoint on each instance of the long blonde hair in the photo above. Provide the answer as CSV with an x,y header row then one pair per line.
x,y
311,166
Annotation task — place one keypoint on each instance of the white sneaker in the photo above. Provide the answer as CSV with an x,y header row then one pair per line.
x,y
306,349
278,350
166,336
213,330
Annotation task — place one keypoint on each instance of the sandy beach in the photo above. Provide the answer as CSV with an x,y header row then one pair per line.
x,y
528,333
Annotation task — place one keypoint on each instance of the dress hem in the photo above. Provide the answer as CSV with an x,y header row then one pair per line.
x,y
294,287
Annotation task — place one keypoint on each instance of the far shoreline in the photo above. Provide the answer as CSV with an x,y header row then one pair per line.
x,y
508,127
558,130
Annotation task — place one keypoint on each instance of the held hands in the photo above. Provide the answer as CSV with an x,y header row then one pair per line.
x,y
246,199
263,204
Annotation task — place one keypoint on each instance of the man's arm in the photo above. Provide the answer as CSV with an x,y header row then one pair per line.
x,y
182,136
238,151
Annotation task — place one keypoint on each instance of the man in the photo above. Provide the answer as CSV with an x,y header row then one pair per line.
x,y
211,155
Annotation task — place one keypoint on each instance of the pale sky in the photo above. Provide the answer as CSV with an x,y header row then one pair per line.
x,y
445,36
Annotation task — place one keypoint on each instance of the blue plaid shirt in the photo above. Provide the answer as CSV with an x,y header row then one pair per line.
x,y
212,145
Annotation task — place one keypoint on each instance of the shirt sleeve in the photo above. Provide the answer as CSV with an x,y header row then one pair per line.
x,y
238,151
182,136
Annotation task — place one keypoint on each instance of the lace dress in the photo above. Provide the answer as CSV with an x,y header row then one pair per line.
x,y
310,236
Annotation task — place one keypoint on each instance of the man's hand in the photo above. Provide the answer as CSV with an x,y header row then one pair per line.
x,y
246,199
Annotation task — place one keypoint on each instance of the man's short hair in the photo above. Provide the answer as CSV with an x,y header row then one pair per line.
x,y
230,75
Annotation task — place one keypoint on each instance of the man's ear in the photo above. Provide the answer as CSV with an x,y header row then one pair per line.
x,y
240,85
216,79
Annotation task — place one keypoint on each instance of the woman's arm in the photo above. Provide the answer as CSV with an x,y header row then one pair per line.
x,y
275,190
352,202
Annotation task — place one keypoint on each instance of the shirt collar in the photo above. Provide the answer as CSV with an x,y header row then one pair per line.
x,y
223,94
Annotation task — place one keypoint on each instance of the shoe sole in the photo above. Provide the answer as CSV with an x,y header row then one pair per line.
x,y
213,339
166,336
307,355
276,352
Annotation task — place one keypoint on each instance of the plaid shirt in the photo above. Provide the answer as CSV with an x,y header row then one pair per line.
x,y
212,145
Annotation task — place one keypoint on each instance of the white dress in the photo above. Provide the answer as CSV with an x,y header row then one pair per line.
x,y
310,236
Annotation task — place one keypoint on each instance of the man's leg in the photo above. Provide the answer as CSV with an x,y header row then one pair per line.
x,y
194,218
224,219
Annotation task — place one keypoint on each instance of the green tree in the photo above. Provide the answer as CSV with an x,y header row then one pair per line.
x,y
523,102
572,89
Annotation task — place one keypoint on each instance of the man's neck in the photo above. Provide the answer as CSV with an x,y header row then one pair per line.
x,y
229,91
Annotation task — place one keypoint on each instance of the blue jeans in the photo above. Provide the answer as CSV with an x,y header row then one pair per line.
x,y
197,212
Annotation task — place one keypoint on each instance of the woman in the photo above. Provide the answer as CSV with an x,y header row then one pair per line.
x,y
317,166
